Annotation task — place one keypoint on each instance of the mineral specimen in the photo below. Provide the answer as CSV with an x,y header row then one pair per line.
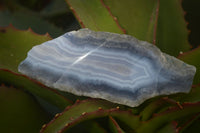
x,y
118,68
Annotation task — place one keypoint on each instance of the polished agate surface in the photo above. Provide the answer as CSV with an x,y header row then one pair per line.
x,y
118,68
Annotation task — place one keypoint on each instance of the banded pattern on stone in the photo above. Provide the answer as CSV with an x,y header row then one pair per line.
x,y
118,68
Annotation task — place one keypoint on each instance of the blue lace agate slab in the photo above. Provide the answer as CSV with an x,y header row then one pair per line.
x,y
118,68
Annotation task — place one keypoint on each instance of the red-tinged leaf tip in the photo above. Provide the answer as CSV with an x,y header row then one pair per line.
x,y
11,26
47,35
29,29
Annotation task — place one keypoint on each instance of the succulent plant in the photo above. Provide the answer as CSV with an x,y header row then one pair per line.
x,y
29,106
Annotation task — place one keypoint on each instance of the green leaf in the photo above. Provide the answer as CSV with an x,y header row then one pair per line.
x,y
192,58
95,128
169,128
24,20
172,34
89,126
189,123
49,95
70,114
15,44
161,104
138,17
192,128
192,96
153,107
156,21
169,115
88,110
55,7
93,15
192,17
115,128
19,112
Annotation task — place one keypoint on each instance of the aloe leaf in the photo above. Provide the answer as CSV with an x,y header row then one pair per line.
x,y
169,128
159,22
153,108
172,34
138,17
15,44
192,96
55,7
124,118
89,126
95,128
24,20
192,16
115,128
162,103
193,127
128,121
189,122
93,15
37,89
14,47
192,57
169,115
71,113
19,112
87,110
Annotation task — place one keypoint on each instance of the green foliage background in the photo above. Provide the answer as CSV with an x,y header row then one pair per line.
x,y
28,106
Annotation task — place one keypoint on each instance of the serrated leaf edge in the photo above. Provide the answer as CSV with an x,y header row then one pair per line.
x,y
27,30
